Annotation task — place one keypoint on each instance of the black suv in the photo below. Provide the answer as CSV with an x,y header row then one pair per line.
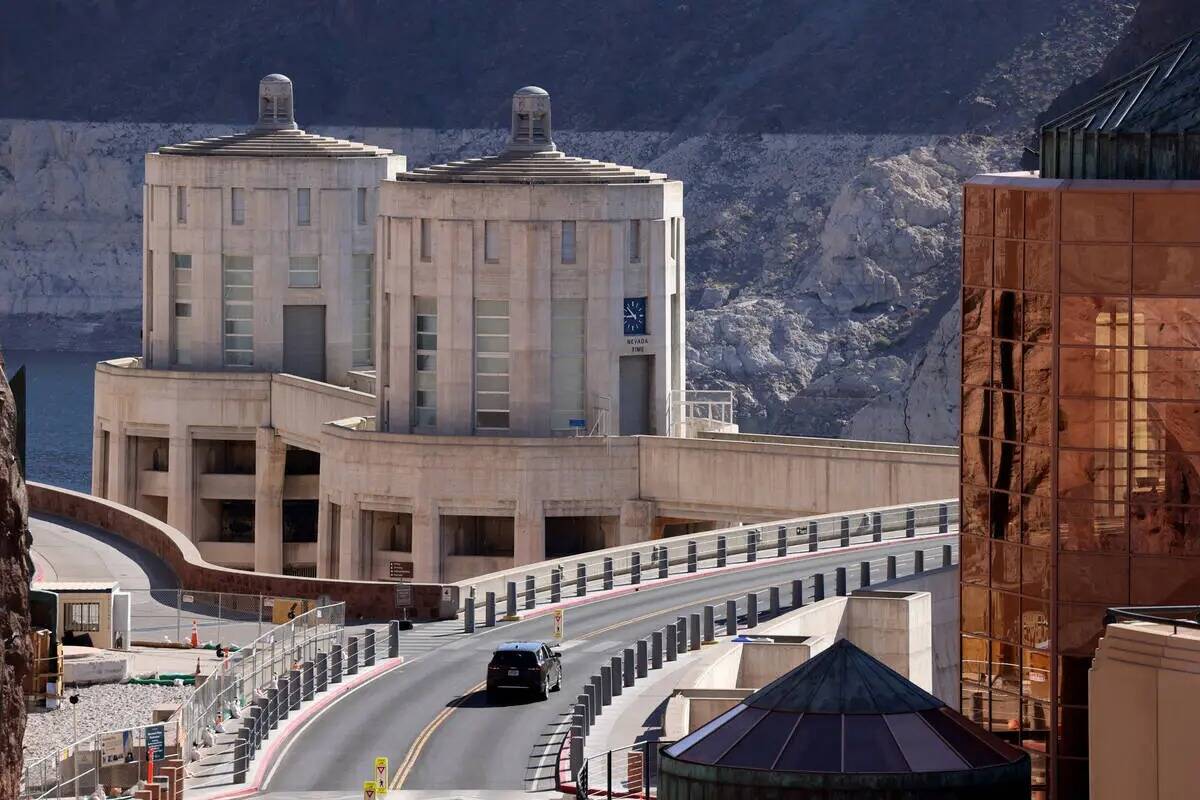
x,y
525,665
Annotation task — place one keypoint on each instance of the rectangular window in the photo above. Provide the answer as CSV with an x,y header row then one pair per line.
x,y
237,276
491,241
360,207
491,365
304,272
181,318
237,206
425,363
82,616
566,363
426,240
674,237
303,206
568,242
363,302
181,204
635,240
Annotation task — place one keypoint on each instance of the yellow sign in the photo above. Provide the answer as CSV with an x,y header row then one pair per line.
x,y
381,776
558,624
369,790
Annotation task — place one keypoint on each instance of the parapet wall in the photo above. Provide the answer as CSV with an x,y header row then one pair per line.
x,y
364,599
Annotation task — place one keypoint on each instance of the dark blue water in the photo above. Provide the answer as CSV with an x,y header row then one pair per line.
x,y
58,396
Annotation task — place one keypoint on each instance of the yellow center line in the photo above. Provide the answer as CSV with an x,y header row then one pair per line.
x,y
414,751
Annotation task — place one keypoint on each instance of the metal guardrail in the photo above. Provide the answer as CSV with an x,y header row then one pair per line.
x,y
555,580
616,773
168,614
1175,616
237,681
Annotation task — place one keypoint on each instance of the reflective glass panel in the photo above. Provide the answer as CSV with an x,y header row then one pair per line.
x,y
1093,423
1035,521
1006,617
1092,526
1006,316
1035,572
1093,474
1093,578
976,360
976,314
1035,469
1092,320
974,560
975,610
1164,530
1093,372
1166,374
1036,322
1006,565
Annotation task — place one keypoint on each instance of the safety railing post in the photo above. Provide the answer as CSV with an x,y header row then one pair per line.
x,y
671,635
910,523
947,555
580,579
781,542
469,614
635,568
943,518
844,527
731,617
642,667
773,601
876,526
839,581
656,650
709,625
664,562
918,562
722,550
751,545
556,585
818,587
692,556
891,568
693,631
489,609
864,574
752,610
813,539
797,592
510,600
628,666
608,572
530,592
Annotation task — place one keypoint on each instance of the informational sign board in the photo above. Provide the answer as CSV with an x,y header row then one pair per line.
x,y
112,749
558,624
369,790
381,776
156,739
403,595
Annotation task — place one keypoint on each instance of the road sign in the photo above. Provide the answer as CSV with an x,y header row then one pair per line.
x,y
381,776
403,595
558,624
156,741
368,790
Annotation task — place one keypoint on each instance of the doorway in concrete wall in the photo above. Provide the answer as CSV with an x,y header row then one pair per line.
x,y
300,537
475,545
568,536
388,534
304,341
636,381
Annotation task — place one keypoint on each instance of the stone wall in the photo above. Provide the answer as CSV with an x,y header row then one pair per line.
x,y
15,574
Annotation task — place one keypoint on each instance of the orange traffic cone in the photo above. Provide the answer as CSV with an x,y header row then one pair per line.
x,y
195,635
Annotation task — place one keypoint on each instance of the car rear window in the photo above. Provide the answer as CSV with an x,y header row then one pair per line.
x,y
514,658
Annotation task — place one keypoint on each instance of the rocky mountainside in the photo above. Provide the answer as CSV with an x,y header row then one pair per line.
x,y
15,575
822,145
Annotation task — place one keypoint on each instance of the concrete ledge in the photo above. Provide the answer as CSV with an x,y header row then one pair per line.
x,y
99,666
370,599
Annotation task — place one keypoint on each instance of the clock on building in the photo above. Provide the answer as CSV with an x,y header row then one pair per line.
x,y
635,316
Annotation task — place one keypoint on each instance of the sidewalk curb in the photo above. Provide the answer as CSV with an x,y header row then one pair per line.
x,y
265,758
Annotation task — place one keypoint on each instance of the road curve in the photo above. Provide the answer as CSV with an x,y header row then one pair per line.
x,y
479,745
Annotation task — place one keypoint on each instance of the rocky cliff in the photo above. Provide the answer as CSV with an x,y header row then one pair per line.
x,y
823,147
14,599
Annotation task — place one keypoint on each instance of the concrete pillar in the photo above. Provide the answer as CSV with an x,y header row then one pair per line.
x,y
864,574
368,649
468,615
608,572
577,734
593,702
643,653
797,592
308,681
119,477
580,579
664,562
294,689
656,650
692,556
510,600
529,533
813,542
731,618
947,555
844,527
635,568
581,711
335,664
270,455
597,684
722,551
606,685
181,495
426,542
671,638
353,555
693,631
818,587
272,707
556,585
773,601
752,610
530,592
681,628
891,568
489,610
637,521
918,562
352,655
839,581
323,670
628,662
710,633
617,671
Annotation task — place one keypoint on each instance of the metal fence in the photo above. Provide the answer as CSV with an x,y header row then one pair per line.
x,y
552,581
158,615
624,772
119,757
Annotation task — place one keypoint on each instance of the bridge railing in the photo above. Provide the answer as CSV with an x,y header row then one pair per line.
x,y
572,576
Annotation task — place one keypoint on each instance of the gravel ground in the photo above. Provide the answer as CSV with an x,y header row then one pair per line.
x,y
101,708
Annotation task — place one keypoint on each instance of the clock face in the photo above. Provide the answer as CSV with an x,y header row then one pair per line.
x,y
635,316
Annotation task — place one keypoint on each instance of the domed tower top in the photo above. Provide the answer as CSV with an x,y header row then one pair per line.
x,y
275,108
531,121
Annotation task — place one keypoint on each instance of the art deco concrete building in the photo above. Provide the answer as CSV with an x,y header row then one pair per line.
x,y
1081,404
503,383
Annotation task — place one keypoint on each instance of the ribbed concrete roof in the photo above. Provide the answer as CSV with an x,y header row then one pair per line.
x,y
275,144
536,167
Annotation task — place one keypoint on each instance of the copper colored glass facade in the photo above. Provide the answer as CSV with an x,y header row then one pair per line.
x,y
1080,440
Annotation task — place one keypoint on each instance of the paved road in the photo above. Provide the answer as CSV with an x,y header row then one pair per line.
x,y
462,740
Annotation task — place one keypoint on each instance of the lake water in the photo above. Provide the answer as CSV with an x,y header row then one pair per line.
x,y
58,402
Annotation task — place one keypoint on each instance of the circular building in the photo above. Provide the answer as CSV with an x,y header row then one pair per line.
x,y
842,725
259,248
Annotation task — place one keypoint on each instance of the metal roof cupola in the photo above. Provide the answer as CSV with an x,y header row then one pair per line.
x,y
275,109
531,121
